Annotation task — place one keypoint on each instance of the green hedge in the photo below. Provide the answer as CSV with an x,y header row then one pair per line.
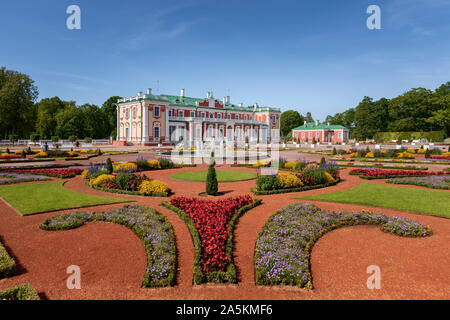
x,y
199,276
435,136
23,292
304,188
7,264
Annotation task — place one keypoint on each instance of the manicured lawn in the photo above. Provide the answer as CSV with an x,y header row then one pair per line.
x,y
49,196
222,176
433,202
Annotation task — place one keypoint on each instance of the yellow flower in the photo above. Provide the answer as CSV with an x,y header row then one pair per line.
x,y
288,180
85,174
370,155
101,180
129,166
41,154
329,177
354,155
153,164
411,150
148,188
290,165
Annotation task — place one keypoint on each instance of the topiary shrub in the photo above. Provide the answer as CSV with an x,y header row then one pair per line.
x,y
211,178
73,139
334,151
109,166
322,161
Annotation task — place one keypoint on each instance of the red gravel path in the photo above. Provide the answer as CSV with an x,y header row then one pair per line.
x,y
112,258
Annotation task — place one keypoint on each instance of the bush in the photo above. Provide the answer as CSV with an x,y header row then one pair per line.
x,y
267,182
54,139
290,165
211,178
88,140
166,163
127,167
34,137
7,264
334,151
102,180
73,138
288,180
23,292
148,188
299,166
109,166
313,177
322,161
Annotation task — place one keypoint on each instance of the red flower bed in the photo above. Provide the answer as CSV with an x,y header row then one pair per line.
x,y
440,157
382,173
11,156
211,220
58,173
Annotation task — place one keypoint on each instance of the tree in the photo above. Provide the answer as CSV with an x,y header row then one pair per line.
x,y
211,178
34,137
109,109
289,120
70,121
17,96
47,109
109,166
309,117
96,121
73,138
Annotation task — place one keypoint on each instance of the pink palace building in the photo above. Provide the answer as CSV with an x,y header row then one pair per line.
x,y
150,119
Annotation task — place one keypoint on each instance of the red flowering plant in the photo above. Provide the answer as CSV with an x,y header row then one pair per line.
x,y
375,173
58,173
211,219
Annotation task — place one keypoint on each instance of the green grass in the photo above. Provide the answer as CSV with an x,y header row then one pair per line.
x,y
49,196
433,202
222,176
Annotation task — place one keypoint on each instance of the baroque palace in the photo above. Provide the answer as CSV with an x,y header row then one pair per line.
x,y
149,119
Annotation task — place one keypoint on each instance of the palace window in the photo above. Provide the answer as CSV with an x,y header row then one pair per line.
x,y
317,134
229,116
219,116
156,112
303,135
192,114
127,114
203,115
170,113
310,135
156,132
211,115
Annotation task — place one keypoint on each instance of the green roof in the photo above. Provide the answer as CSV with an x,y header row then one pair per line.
x,y
313,126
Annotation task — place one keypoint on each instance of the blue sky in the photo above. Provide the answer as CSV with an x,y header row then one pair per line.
x,y
315,56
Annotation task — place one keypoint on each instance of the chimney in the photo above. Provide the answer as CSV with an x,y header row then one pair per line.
x,y
224,100
139,93
317,122
149,91
255,105
227,99
241,105
182,92
304,123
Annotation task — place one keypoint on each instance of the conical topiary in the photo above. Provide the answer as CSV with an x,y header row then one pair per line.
x,y
211,178
109,166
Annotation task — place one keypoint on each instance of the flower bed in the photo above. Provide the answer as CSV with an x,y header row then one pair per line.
x,y
440,157
149,225
303,176
11,178
211,224
125,181
434,182
57,173
23,292
283,248
7,264
382,166
372,173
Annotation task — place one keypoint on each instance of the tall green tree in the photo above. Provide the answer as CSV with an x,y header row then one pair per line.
x,y
289,120
70,121
47,109
96,122
17,109
109,109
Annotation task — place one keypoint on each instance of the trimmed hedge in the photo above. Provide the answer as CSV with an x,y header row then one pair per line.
x,y
435,136
199,276
22,292
304,188
7,264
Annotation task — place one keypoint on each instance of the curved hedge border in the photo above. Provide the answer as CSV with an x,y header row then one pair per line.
x,y
22,292
362,176
383,167
138,220
7,264
304,188
199,276
284,244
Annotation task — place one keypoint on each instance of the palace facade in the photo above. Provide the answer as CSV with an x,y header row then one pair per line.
x,y
149,119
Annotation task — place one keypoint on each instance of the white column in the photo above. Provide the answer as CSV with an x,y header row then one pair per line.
x,y
145,124
118,123
166,114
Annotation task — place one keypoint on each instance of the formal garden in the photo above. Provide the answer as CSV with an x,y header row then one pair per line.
x,y
226,229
